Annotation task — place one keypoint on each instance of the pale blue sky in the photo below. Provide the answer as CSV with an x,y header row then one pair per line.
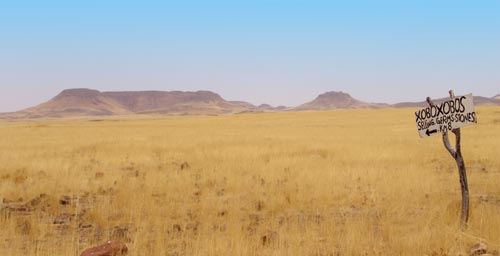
x,y
262,51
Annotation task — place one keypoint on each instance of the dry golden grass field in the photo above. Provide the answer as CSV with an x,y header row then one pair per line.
x,y
348,182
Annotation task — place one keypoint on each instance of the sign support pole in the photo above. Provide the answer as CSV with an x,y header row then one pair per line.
x,y
457,155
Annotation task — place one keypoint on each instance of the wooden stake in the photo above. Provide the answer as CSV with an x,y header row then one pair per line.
x,y
457,155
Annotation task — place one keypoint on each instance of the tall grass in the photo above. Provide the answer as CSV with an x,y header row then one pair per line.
x,y
349,182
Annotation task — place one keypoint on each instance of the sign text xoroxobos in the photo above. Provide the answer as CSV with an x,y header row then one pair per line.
x,y
449,115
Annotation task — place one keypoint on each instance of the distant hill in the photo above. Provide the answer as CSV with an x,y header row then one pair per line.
x,y
483,101
340,100
478,101
336,100
87,102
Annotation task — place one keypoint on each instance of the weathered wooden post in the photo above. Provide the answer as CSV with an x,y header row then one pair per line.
x,y
450,115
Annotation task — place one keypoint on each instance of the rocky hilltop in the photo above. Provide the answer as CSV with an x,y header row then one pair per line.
x,y
337,100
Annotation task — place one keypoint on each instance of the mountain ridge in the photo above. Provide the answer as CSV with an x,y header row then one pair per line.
x,y
89,102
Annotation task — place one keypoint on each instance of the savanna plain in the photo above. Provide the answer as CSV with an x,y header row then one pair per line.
x,y
346,182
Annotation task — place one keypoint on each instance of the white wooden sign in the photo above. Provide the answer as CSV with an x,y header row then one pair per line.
x,y
449,115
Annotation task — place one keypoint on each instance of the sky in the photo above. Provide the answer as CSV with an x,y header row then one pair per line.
x,y
261,51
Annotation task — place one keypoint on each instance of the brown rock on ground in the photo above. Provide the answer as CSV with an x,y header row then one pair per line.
x,y
478,249
110,248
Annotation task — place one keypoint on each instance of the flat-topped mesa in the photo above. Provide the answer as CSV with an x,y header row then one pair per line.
x,y
88,102
337,97
202,96
334,94
198,95
126,96
335,100
160,101
208,95
79,93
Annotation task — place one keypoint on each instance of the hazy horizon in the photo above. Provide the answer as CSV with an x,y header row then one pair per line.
x,y
275,52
